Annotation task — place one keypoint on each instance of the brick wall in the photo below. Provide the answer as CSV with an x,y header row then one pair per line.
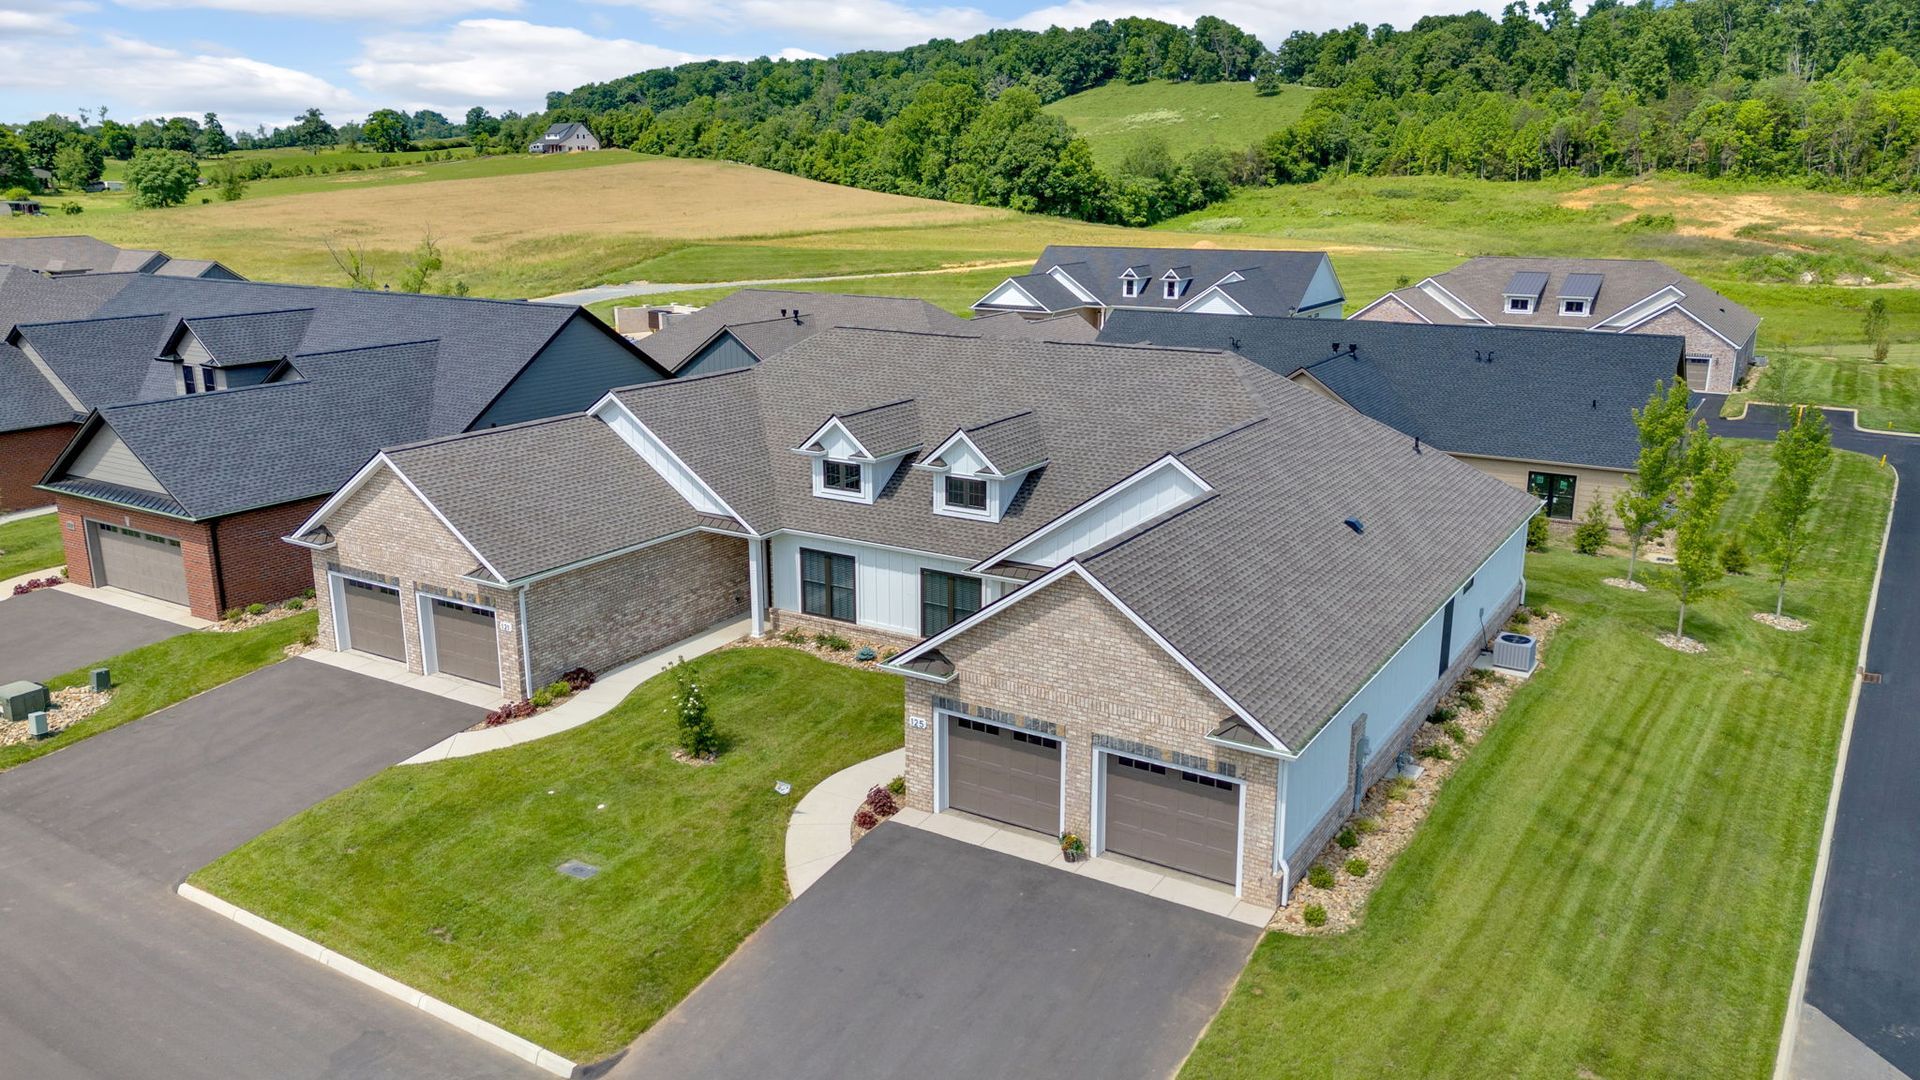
x,y
604,615
196,547
1067,656
1700,342
1390,310
25,457
256,565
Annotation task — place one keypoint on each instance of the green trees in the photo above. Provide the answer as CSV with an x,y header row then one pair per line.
x,y
161,177
386,131
1800,455
311,130
116,139
1878,329
14,170
1701,489
698,736
1643,509
213,140
78,162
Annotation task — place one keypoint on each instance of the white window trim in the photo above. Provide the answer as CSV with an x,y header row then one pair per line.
x,y
1585,312
342,635
945,509
821,490
1519,305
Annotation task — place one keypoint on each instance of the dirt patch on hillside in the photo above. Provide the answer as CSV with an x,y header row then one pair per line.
x,y
1721,215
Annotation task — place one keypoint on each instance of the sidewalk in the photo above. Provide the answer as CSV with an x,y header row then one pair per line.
x,y
136,603
820,832
22,515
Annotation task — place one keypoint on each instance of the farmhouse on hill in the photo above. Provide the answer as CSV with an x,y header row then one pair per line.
x,y
565,139
1549,412
215,415
1165,599
1608,296
1094,281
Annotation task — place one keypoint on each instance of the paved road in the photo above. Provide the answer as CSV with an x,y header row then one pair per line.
x,y
597,293
920,956
1865,972
107,974
47,633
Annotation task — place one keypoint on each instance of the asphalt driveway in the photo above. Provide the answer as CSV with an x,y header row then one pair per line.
x,y
1865,971
110,975
47,633
923,956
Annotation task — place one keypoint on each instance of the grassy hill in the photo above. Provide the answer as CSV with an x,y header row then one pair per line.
x,y
1187,115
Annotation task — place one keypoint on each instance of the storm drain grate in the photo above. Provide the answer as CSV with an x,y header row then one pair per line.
x,y
1872,677
578,869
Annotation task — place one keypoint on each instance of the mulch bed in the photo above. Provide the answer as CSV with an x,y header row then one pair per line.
x,y
248,622
69,707
844,657
1397,807
1780,622
1681,644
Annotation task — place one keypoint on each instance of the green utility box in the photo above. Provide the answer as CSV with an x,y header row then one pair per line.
x,y
17,699
102,680
39,722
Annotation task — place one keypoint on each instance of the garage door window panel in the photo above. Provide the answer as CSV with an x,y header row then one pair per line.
x,y
142,562
827,585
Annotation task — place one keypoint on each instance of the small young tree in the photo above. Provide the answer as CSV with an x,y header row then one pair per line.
x,y
698,737
1699,493
1590,536
1879,329
232,183
1800,454
1642,508
352,261
1537,534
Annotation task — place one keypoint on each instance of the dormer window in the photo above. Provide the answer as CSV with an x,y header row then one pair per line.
x,y
1130,287
1573,307
841,476
1520,305
967,493
1173,288
855,455
186,375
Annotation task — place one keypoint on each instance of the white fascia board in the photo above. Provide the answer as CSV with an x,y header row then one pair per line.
x,y
1213,290
1167,461
959,435
1682,308
989,301
821,431
1448,300
610,401
1068,283
354,483
498,577
1074,568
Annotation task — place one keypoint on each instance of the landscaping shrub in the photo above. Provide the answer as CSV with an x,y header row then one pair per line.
x,y
1521,617
295,604
897,785
864,818
1319,876
1537,532
1442,714
560,689
1357,866
1399,788
866,654
1591,535
1347,838
881,801
1314,915
28,586
308,638
307,593
256,609
1437,752
794,637
1455,731
578,679
698,736
1733,556
232,614
542,698
832,641
72,208
1471,701
1366,826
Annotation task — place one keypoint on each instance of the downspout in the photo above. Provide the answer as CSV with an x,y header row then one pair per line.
x,y
526,652
219,575
1280,865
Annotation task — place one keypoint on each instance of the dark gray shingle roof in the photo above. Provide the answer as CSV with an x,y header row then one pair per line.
x,y
102,360
1275,282
253,337
769,320
885,430
1547,395
1011,443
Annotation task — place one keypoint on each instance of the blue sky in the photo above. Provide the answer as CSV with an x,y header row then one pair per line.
x,y
262,61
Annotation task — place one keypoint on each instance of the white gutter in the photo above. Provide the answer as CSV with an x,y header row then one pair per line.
x,y
526,653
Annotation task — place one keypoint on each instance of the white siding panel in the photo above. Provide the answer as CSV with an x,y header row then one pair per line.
x,y
838,444
886,580
1144,499
1009,295
1323,289
192,351
654,453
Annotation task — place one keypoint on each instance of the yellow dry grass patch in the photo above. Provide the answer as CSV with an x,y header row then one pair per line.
x,y
1721,215
668,199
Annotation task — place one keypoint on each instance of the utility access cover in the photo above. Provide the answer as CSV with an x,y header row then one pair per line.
x,y
576,868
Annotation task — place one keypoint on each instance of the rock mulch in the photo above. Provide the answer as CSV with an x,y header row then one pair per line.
x,y
1681,644
805,643
1397,806
694,760
1623,583
248,622
881,808
69,707
1780,622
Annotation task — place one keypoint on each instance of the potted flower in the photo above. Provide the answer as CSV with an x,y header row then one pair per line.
x,y
1072,848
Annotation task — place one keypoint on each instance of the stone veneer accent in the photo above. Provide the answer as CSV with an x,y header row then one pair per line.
x,y
230,562
25,457
1068,656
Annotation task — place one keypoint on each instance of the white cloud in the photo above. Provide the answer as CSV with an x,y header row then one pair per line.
x,y
26,18
145,79
412,11
872,24
498,63
1270,22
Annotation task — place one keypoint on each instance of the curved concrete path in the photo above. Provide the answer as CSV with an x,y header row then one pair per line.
x,y
820,832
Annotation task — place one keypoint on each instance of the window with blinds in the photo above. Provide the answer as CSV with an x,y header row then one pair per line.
x,y
945,599
826,585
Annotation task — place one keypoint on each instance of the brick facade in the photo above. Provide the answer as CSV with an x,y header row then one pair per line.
x,y
25,457
1066,656
1390,309
604,615
1729,365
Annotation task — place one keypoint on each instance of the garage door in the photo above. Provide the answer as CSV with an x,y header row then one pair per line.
x,y
373,619
1173,818
464,643
140,562
1004,774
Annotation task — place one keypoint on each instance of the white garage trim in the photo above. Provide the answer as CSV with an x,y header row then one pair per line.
x,y
1097,845
337,597
940,719
430,645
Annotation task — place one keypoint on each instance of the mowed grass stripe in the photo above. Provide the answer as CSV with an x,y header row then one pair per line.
x,y
1614,881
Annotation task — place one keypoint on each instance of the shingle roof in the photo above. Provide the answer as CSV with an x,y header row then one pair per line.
x,y
769,320
1012,325
1481,283
102,360
85,254
27,400
253,337
1546,395
545,494
1275,281
886,430
1012,443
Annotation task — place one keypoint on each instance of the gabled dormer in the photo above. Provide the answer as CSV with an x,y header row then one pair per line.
x,y
1522,294
218,352
1133,281
855,454
1175,282
978,470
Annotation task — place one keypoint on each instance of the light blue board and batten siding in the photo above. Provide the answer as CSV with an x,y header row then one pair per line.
x,y
1322,774
886,580
573,371
724,353
1146,497
1323,289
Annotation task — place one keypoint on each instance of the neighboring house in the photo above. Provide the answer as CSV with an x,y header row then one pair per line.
x,y
565,139
23,207
1093,281
57,256
751,325
1549,412
219,414
1165,599
1609,296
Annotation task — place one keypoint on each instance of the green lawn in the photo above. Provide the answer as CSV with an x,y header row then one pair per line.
x,y
155,676
30,544
1229,115
1887,395
1613,884
443,877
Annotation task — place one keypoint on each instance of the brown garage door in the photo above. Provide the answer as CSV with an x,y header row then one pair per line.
x,y
1178,819
464,643
373,619
140,562
1003,773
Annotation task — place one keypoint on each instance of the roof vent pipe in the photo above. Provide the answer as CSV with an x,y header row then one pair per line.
x,y
1416,444
1359,528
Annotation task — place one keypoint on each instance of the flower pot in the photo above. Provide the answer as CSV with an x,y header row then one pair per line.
x,y
1073,856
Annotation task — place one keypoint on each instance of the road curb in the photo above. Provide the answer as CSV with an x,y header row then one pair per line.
x,y
1748,404
492,1034
1789,1032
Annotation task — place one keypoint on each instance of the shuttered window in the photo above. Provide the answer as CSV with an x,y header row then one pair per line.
x,y
826,585
945,599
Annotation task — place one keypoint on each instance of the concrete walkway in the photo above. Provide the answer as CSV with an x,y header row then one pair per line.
x,y
479,695
6,586
22,515
136,603
592,703
820,832
597,293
